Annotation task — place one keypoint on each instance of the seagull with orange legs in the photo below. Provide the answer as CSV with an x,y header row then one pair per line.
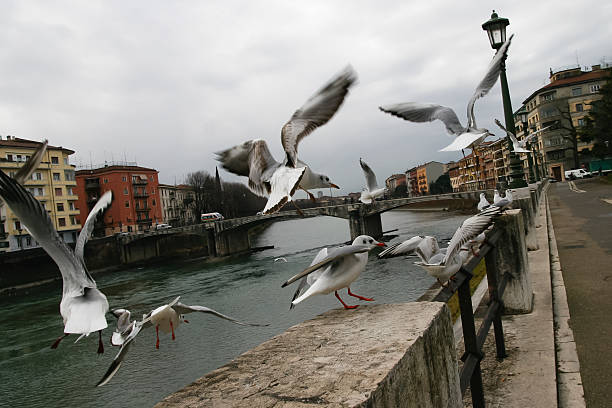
x,y
167,318
333,270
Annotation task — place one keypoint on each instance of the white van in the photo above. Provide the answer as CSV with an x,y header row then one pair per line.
x,y
576,174
214,216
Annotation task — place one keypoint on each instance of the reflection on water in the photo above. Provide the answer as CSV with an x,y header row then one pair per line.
x,y
247,288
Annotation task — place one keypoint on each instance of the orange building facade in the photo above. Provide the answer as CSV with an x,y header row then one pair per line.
x,y
136,202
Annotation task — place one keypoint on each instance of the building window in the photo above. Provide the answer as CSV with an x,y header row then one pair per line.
x,y
594,88
127,204
151,177
56,177
576,91
106,180
548,96
17,225
69,175
28,240
9,157
73,220
71,205
61,222
54,160
125,191
153,201
60,206
124,178
37,176
58,191
579,107
69,191
581,122
66,161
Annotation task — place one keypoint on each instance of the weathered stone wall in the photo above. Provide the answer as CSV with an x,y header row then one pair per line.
x,y
400,355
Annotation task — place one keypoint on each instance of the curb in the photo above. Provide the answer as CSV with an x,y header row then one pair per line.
x,y
570,392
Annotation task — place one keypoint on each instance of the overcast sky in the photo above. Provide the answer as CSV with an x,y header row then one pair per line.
x,y
167,83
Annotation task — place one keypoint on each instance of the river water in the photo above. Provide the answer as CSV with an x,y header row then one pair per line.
x,y
246,288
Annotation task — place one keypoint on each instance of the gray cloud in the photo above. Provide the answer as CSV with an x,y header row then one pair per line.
x,y
169,83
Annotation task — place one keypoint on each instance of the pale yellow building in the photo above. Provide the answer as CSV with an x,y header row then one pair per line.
x,y
53,183
178,205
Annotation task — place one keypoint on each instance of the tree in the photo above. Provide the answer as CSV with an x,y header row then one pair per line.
x,y
570,133
400,191
441,186
598,127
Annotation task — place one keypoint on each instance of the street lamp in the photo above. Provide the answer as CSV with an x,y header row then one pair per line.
x,y
523,116
496,29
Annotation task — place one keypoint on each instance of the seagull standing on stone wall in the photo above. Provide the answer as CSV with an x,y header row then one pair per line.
x,y
465,137
279,181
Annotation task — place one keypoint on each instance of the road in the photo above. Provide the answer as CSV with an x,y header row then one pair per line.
x,y
582,218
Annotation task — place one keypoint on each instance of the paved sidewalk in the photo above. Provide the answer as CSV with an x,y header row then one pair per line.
x,y
583,227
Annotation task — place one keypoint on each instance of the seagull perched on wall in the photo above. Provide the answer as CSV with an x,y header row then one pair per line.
x,y
465,137
167,318
483,203
504,201
334,270
519,146
279,181
372,190
83,306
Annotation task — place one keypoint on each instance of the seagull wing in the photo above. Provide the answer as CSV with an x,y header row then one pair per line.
x,y
333,256
427,248
488,81
33,215
310,279
182,309
370,177
469,229
103,203
251,159
515,142
534,134
317,111
125,347
426,112
32,164
401,248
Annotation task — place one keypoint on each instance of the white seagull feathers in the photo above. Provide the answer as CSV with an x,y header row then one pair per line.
x,y
166,318
83,306
469,136
372,190
519,146
278,181
335,270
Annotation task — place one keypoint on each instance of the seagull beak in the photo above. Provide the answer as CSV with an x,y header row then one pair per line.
x,y
381,244
333,185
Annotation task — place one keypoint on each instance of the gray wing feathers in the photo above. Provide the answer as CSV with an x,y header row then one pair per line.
x,y
318,258
469,229
33,215
488,81
118,360
509,134
334,255
182,309
426,112
32,164
103,203
317,111
369,175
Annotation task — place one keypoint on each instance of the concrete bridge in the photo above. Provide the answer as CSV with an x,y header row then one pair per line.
x,y
232,236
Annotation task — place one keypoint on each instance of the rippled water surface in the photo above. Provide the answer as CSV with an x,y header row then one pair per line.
x,y
247,288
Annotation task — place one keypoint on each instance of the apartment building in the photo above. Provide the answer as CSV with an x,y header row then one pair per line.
x,y
562,104
394,181
178,204
421,176
136,202
53,183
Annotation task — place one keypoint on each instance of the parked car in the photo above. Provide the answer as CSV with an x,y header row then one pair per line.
x,y
577,174
214,216
162,226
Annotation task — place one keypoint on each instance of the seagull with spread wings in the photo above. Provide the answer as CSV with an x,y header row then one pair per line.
x,y
372,189
334,270
279,181
465,137
519,146
406,247
83,306
167,317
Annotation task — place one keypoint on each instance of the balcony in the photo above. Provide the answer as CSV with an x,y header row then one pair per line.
x,y
140,195
145,221
137,181
145,209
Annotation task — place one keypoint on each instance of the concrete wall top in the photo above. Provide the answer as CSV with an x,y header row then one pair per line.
x,y
399,355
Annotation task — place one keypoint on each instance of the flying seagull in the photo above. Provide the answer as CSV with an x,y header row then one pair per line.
x,y
335,270
406,247
372,190
83,306
167,318
443,264
465,137
519,146
279,181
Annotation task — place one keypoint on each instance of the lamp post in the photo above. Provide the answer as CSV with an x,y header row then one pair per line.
x,y
496,30
523,115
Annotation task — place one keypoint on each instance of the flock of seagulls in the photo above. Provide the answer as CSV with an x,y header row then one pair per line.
x,y
83,306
